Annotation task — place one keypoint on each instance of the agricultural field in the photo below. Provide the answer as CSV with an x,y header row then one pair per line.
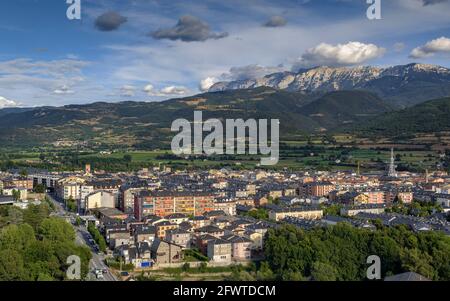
x,y
312,154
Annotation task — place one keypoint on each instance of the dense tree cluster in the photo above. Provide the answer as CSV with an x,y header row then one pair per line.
x,y
71,205
416,208
260,214
35,246
334,209
97,236
40,188
340,252
256,272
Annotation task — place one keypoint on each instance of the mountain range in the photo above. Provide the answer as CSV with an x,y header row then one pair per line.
x,y
148,123
320,100
403,85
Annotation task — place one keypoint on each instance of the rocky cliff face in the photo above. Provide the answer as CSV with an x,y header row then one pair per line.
x,y
327,79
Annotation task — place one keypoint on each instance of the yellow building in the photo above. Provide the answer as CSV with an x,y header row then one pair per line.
x,y
303,213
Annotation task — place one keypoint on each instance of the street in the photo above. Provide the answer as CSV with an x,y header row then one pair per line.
x,y
82,238
97,261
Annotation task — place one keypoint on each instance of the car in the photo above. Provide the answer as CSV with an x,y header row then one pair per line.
x,y
105,271
99,274
98,271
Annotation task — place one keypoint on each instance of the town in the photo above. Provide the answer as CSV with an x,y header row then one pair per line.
x,y
224,148
139,223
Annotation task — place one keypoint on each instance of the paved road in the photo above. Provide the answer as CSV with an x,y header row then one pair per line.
x,y
58,206
82,238
98,260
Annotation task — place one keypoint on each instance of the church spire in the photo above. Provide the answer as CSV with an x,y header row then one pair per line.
x,y
391,170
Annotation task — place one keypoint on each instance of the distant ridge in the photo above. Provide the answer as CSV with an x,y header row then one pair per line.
x,y
6,111
148,123
428,117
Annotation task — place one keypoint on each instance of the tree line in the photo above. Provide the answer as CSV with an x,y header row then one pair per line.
x,y
340,252
35,246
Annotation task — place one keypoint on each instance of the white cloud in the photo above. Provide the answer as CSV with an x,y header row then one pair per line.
x,y
352,53
7,103
240,73
53,69
251,72
39,82
174,62
64,89
440,45
133,57
174,90
207,83
128,91
166,91
149,89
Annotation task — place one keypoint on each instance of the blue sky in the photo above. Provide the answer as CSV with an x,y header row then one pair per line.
x,y
134,50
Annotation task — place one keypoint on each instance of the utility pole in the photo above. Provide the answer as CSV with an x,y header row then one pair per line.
x,y
120,271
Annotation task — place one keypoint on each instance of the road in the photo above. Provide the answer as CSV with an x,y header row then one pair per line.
x,y
82,238
98,260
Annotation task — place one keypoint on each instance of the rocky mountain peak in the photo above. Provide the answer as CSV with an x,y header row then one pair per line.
x,y
327,79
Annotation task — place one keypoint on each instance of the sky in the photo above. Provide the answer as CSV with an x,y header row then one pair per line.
x,y
151,50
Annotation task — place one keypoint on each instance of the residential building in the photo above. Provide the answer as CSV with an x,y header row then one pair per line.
x,y
226,205
138,255
211,230
21,182
163,203
164,252
179,237
306,212
144,233
118,238
99,199
69,188
219,250
240,247
163,227
317,189
177,218
127,195
48,180
199,221
354,210
443,200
